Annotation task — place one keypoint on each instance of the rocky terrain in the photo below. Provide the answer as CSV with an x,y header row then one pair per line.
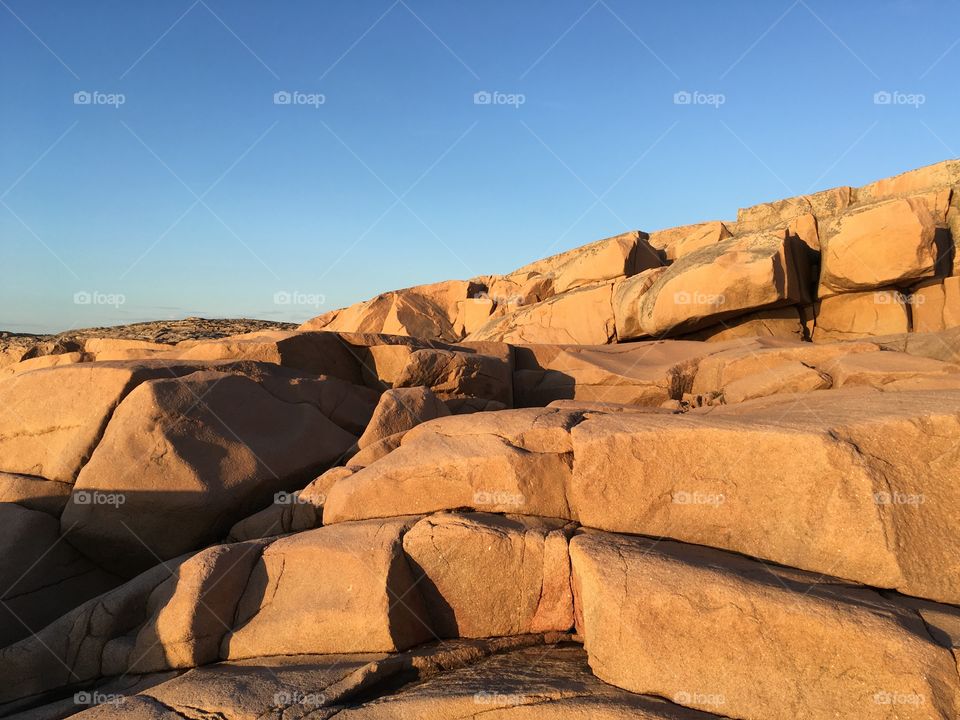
x,y
706,472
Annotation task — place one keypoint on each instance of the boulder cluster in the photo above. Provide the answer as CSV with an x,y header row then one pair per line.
x,y
709,472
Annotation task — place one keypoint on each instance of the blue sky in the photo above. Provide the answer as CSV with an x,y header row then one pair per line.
x,y
183,188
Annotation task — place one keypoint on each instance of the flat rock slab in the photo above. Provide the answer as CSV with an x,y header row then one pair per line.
x,y
857,484
550,683
515,461
292,687
741,638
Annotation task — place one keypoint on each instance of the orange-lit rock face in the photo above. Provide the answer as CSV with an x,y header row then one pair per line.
x,y
707,473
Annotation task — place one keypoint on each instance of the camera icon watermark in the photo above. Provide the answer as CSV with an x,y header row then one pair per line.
x,y
686,297
515,299
898,498
686,97
489,498
491,697
896,97
95,697
885,697
295,297
495,97
95,297
296,97
287,498
286,698
96,97
96,497
698,699
695,497
895,297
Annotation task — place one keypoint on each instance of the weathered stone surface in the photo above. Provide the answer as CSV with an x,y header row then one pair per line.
x,y
400,410
859,315
513,461
787,377
34,493
805,228
927,178
599,261
939,346
103,349
380,449
288,514
450,373
468,405
700,236
778,214
44,361
892,371
936,307
54,417
487,575
82,645
661,618
619,256
472,314
317,686
730,278
424,311
317,353
196,453
879,245
346,588
742,361
627,294
190,612
527,684
522,287
41,578
642,373
865,492
782,322
582,316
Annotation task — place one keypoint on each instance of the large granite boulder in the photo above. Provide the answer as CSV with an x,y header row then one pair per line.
x,y
853,483
197,453
879,245
744,639
723,280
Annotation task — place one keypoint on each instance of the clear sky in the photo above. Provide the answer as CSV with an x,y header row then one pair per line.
x,y
179,183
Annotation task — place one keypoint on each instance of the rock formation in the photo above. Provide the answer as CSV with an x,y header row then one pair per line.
x,y
705,472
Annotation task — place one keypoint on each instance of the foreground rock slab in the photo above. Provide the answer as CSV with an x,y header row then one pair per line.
x,y
484,575
527,684
513,461
346,588
747,640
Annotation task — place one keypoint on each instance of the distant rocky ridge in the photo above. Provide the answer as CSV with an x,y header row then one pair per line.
x,y
842,263
711,472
